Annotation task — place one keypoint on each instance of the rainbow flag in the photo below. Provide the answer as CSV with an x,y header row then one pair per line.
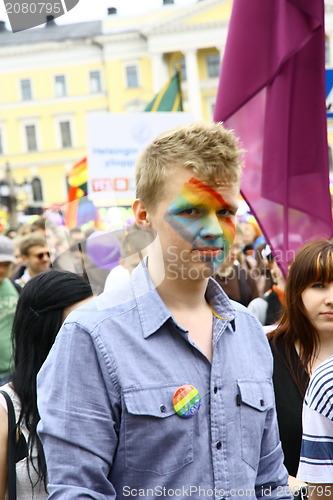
x,y
79,210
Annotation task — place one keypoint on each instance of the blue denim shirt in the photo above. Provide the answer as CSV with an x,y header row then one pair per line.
x,y
105,392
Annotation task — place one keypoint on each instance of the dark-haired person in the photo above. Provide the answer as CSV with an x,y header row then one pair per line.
x,y
303,339
44,303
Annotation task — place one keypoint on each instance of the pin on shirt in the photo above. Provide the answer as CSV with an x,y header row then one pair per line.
x,y
186,401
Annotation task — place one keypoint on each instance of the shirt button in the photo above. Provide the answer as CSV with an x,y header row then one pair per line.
x,y
215,390
163,408
219,445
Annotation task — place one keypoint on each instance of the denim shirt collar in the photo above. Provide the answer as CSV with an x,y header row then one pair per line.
x,y
153,312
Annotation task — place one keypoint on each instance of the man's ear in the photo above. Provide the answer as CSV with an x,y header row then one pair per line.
x,y
24,258
141,214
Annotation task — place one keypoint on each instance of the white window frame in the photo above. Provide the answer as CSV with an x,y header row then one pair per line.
x,y
62,137
207,56
64,94
32,126
24,123
92,91
21,89
41,201
130,64
58,120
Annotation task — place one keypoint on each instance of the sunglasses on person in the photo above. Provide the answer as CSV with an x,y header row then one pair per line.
x,y
41,255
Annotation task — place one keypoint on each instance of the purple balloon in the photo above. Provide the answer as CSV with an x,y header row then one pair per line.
x,y
103,248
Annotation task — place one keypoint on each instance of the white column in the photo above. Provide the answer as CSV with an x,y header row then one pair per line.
x,y
193,84
160,72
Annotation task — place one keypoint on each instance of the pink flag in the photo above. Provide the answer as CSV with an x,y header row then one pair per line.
x,y
272,93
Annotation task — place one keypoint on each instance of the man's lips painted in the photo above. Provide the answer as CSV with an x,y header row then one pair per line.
x,y
209,252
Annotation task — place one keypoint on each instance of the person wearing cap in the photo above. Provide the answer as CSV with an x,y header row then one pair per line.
x,y
9,293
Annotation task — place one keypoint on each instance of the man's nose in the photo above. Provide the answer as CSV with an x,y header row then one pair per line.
x,y
212,227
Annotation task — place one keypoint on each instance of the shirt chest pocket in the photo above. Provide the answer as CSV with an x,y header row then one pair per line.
x,y
156,438
256,398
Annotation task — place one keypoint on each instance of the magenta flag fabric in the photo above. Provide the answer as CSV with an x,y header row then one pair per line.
x,y
272,93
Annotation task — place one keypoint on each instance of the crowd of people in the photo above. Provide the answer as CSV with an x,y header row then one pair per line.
x,y
133,374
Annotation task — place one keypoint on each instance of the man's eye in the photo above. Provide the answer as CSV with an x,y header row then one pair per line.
x,y
189,212
224,212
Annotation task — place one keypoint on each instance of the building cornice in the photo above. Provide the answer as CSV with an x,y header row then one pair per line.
x,y
176,22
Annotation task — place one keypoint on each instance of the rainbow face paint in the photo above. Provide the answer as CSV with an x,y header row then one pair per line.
x,y
186,401
202,217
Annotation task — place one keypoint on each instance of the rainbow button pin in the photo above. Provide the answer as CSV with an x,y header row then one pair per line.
x,y
186,401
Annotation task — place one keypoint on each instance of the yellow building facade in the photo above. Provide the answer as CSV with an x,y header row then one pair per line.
x,y
54,76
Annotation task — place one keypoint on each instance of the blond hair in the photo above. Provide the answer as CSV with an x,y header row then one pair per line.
x,y
209,151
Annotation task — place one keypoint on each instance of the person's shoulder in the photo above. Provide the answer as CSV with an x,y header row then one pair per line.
x,y
11,393
117,275
323,374
258,307
258,302
244,314
319,394
108,304
17,287
239,307
251,337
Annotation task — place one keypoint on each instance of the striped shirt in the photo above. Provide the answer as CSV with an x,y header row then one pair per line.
x,y
316,462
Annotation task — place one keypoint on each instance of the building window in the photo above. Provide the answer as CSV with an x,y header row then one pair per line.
x,y
65,134
213,65
95,82
36,187
132,77
31,138
60,86
26,91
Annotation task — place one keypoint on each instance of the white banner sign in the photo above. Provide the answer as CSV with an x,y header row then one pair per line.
x,y
114,141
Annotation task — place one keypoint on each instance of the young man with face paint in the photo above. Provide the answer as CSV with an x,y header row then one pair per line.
x,y
165,389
